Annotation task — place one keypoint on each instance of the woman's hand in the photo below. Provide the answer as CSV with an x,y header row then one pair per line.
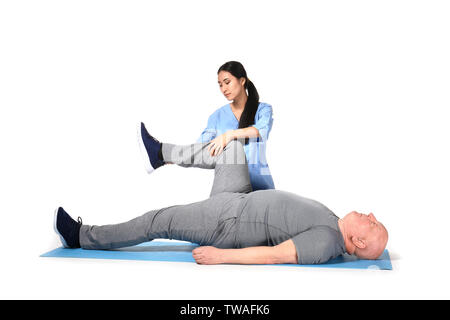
x,y
217,145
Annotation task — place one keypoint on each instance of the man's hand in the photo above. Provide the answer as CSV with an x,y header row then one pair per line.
x,y
207,255
217,145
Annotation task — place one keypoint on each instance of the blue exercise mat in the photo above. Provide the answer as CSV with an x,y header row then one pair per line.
x,y
182,252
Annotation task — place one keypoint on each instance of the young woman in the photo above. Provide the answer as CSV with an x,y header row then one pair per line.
x,y
243,118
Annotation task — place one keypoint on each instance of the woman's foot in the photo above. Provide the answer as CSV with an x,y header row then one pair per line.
x,y
67,228
150,149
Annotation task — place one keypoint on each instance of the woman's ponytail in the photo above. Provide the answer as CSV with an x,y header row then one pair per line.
x,y
251,106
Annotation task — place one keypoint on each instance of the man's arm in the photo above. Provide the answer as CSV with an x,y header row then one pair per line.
x,y
285,252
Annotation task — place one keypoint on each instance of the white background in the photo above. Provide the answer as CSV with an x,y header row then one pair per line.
x,y
360,93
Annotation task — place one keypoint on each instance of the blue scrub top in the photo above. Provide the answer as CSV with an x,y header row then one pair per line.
x,y
223,119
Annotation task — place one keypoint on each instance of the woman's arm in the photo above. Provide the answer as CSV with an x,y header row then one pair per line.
x,y
261,129
217,145
249,132
285,252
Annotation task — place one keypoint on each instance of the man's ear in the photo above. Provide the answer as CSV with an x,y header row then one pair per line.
x,y
359,243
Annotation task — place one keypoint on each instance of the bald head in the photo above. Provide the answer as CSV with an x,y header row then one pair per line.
x,y
364,235
375,245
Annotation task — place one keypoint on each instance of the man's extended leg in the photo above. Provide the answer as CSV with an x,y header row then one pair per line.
x,y
211,221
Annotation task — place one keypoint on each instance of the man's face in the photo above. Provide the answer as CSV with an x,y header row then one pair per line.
x,y
363,225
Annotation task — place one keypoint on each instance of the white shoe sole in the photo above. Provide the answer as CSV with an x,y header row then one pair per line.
x,y
148,165
56,229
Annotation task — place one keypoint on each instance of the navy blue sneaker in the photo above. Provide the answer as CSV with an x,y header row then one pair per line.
x,y
67,228
150,149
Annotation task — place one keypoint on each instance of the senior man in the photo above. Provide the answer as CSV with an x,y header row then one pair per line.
x,y
234,225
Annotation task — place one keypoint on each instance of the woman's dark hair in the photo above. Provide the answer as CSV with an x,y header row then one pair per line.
x,y
251,106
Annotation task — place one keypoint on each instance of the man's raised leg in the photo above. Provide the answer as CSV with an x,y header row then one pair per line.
x,y
231,168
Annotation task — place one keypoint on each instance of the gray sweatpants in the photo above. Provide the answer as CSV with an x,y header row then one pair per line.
x,y
208,222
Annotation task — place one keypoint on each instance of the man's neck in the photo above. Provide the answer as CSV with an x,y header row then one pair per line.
x,y
349,247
